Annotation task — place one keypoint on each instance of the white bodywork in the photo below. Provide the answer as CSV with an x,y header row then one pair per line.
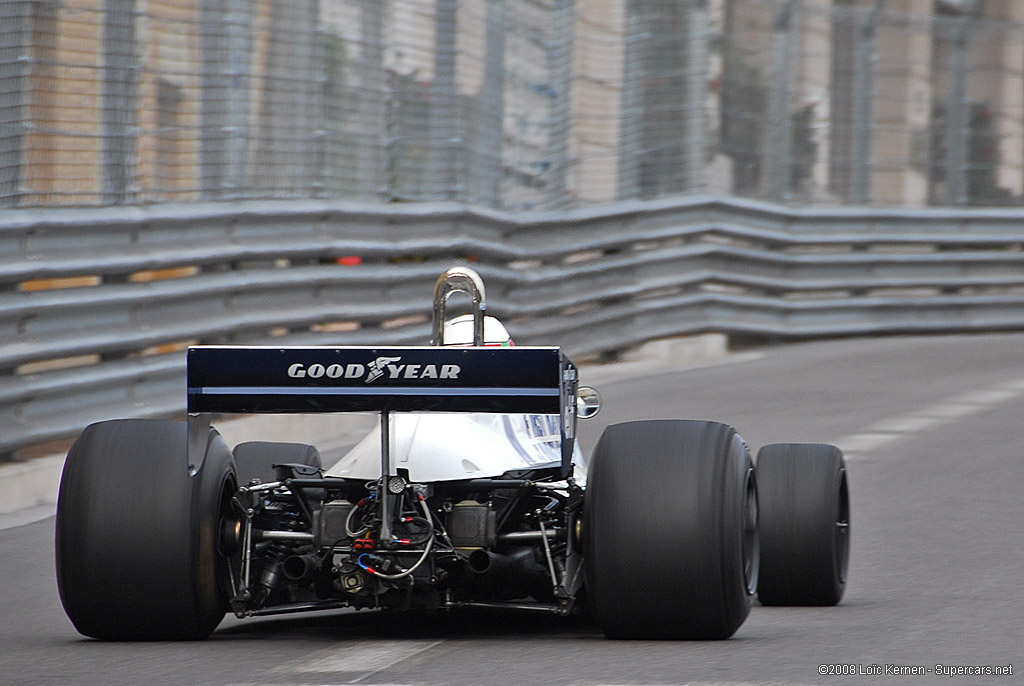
x,y
449,447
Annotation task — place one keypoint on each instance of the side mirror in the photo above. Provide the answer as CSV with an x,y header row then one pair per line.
x,y
588,402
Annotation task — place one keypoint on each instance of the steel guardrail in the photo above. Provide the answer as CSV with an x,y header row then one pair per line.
x,y
93,325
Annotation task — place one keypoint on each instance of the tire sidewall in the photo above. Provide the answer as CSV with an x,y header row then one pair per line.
x,y
663,526
136,535
212,487
802,488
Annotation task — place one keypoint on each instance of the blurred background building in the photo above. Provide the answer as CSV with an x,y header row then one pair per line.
x,y
512,104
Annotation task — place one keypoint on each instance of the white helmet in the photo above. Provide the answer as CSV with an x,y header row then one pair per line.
x,y
459,331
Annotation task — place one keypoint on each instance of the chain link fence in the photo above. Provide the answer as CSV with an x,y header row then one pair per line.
x,y
511,104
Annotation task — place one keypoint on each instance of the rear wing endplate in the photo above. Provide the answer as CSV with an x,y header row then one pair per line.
x,y
508,380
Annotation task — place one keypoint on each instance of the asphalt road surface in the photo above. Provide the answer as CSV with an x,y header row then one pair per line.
x,y
933,432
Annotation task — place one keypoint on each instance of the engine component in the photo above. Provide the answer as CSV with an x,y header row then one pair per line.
x,y
472,525
330,523
351,578
298,567
516,575
353,582
271,576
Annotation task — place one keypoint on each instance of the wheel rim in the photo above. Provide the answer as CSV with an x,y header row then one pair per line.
x,y
228,561
751,542
842,528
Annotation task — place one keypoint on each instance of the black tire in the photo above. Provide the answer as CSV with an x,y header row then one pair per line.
x,y
256,459
805,524
670,530
137,536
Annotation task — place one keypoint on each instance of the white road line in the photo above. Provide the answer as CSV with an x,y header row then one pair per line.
x,y
987,397
362,658
681,683
724,683
907,425
865,442
961,406
1017,385
27,516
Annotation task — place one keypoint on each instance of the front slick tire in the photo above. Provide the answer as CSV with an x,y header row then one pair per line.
x,y
805,524
670,530
137,536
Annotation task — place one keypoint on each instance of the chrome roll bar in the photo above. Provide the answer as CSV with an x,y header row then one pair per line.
x,y
459,280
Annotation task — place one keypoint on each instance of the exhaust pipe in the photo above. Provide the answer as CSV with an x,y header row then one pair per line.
x,y
516,575
484,562
298,567
520,565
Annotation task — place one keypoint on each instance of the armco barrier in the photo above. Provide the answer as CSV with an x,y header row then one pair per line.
x,y
97,305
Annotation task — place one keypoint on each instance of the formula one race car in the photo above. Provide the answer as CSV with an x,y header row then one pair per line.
x,y
471,492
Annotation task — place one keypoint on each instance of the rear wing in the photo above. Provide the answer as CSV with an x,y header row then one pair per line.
x,y
512,380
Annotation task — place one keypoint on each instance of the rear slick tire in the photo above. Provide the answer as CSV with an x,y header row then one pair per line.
x,y
137,536
670,530
805,524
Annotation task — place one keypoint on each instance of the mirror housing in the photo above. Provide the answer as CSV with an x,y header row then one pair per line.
x,y
588,402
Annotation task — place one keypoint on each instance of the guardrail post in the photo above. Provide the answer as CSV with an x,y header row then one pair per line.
x,y
120,101
442,179
371,179
957,116
559,63
14,65
483,181
695,105
863,105
634,72
779,146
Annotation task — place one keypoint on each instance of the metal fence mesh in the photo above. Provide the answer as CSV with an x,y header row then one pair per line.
x,y
513,104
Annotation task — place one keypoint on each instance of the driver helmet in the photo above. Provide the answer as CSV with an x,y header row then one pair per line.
x,y
459,331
